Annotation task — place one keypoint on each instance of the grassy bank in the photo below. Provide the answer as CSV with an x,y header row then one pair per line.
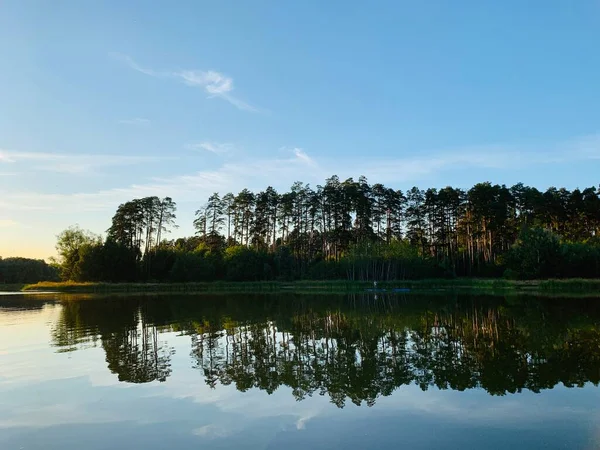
x,y
459,284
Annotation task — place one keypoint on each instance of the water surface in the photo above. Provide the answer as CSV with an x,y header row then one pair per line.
x,y
297,371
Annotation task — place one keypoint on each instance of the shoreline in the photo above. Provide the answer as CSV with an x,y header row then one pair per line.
x,y
554,286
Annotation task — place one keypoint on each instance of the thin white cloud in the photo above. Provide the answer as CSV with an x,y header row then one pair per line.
x,y
137,121
230,176
10,156
298,155
215,84
589,146
302,156
499,157
240,104
6,223
71,163
212,431
192,188
135,66
213,147
281,172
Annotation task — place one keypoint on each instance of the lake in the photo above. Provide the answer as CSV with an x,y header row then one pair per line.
x,y
298,372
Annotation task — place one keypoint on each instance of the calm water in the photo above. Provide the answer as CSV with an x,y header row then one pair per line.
x,y
298,372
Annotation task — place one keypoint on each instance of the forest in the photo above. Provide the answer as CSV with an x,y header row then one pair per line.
x,y
349,230
15,271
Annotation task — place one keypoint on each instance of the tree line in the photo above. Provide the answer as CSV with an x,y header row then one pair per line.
x,y
348,229
26,270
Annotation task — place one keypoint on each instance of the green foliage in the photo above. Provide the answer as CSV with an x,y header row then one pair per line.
x,y
398,260
84,257
348,229
246,264
194,266
580,260
24,271
120,262
141,223
159,263
72,244
536,254
284,263
90,263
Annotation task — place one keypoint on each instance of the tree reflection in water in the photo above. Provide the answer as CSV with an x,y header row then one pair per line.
x,y
347,347
130,341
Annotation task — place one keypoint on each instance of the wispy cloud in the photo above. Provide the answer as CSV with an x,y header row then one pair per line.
x,y
213,147
293,164
301,155
137,121
212,431
215,84
135,66
499,157
281,172
231,176
586,146
72,163
6,223
11,156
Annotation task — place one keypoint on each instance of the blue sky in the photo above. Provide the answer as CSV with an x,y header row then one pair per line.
x,y
102,102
